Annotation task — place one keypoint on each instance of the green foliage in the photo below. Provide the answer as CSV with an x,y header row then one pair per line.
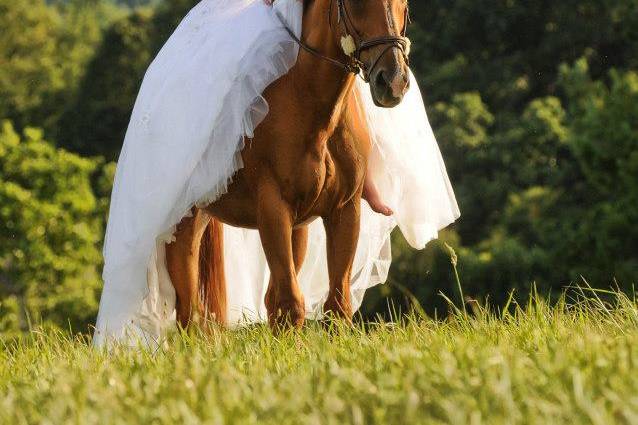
x,y
547,196
29,74
533,364
534,106
584,211
510,50
49,231
43,52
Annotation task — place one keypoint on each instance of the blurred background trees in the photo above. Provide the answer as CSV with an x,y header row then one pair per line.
x,y
535,105
50,227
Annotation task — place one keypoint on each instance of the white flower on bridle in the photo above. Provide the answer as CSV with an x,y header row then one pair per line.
x,y
348,45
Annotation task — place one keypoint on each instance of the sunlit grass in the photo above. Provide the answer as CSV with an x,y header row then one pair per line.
x,y
571,362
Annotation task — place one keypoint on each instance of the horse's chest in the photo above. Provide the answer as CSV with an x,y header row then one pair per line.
x,y
326,179
306,180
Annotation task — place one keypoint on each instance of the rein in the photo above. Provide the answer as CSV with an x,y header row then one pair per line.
x,y
354,44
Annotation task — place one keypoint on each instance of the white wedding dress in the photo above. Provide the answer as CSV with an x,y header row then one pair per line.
x,y
199,99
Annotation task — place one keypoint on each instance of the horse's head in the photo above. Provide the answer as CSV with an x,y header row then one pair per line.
x,y
372,33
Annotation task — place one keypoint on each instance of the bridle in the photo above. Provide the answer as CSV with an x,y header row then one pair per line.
x,y
354,44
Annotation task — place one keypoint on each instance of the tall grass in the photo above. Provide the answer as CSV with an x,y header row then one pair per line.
x,y
575,361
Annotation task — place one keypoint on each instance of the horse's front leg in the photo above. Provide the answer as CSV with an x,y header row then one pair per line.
x,y
342,235
284,300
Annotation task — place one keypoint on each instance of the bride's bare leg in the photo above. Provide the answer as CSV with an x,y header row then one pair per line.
x,y
371,195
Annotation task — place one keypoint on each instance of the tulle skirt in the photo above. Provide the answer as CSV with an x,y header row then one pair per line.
x,y
200,98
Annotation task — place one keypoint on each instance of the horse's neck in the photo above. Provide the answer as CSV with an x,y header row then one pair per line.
x,y
326,86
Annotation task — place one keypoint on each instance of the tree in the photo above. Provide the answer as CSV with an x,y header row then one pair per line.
x,y
50,232
509,51
43,52
29,71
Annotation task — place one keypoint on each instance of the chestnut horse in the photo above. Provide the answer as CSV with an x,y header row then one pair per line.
x,y
308,159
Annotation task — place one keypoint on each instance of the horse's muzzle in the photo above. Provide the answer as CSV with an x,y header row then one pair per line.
x,y
389,85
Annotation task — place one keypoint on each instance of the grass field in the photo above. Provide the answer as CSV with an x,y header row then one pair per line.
x,y
573,363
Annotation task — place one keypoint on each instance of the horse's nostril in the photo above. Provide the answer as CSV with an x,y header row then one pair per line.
x,y
380,80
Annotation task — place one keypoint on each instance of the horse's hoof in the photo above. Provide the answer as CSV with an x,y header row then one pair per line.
x,y
286,317
333,310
